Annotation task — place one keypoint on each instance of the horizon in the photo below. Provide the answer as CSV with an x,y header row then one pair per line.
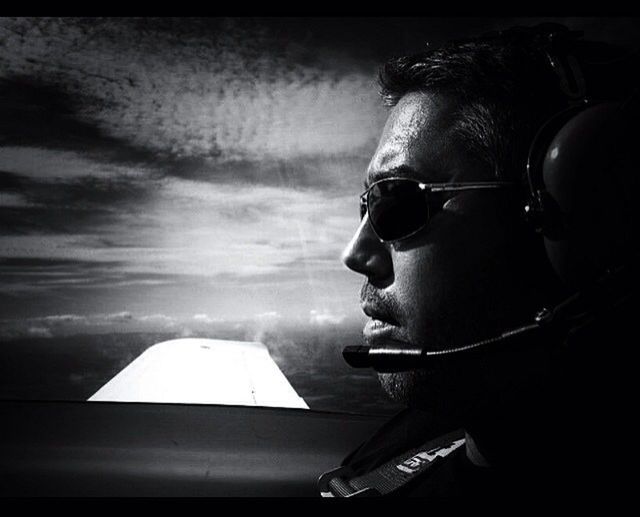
x,y
62,325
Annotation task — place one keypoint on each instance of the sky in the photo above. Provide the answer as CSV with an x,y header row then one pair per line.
x,y
157,171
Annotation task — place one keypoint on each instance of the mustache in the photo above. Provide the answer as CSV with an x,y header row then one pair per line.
x,y
383,302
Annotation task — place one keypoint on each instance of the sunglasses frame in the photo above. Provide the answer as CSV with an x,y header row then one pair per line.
x,y
429,188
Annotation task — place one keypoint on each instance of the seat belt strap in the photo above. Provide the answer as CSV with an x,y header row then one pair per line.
x,y
392,475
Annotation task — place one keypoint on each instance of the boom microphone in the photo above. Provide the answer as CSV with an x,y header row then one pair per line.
x,y
616,285
389,359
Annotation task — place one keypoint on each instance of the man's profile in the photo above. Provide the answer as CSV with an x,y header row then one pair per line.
x,y
449,257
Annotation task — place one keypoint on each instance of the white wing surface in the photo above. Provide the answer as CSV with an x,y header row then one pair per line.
x,y
203,371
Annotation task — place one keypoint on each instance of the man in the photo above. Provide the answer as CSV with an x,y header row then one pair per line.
x,y
534,414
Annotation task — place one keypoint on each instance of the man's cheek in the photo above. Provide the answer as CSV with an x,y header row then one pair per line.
x,y
416,287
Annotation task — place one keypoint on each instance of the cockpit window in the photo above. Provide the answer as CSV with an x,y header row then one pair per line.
x,y
178,179
175,195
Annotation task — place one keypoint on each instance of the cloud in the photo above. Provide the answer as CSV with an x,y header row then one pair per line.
x,y
65,324
221,97
39,332
119,316
199,228
205,318
263,325
268,317
157,162
64,318
186,332
13,200
219,249
162,318
325,317
43,204
36,162
247,231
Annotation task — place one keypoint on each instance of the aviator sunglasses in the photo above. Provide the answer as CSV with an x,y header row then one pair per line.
x,y
400,207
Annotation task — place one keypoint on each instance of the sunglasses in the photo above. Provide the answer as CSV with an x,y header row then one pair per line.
x,y
400,207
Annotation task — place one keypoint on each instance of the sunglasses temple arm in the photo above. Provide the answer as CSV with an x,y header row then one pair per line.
x,y
470,186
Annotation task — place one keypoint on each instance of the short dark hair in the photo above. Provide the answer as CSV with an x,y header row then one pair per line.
x,y
504,89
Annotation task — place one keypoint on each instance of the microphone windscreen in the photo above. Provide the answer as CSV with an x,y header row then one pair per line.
x,y
357,356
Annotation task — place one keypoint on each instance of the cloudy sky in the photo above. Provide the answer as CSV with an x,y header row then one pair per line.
x,y
199,170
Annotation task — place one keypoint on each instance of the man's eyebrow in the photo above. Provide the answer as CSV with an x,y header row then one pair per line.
x,y
402,171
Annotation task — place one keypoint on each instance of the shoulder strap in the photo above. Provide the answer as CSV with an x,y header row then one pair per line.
x,y
393,474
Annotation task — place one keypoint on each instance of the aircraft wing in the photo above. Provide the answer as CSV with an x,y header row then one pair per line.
x,y
203,371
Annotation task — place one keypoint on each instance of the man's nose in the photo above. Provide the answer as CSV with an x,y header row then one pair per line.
x,y
367,254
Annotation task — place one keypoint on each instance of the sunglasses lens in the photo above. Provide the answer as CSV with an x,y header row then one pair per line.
x,y
397,209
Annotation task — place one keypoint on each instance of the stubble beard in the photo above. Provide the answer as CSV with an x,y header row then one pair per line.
x,y
448,386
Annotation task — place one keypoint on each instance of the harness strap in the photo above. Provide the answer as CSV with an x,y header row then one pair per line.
x,y
392,475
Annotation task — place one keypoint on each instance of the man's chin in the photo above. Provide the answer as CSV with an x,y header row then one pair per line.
x,y
409,388
425,389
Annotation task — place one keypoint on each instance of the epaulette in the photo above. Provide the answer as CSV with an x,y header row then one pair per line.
x,y
393,475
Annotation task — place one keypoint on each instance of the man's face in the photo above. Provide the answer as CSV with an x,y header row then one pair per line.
x,y
456,281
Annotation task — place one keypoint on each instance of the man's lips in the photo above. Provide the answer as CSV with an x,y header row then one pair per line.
x,y
380,314
381,328
377,329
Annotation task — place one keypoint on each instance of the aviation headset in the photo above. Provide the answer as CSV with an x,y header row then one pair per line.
x,y
567,202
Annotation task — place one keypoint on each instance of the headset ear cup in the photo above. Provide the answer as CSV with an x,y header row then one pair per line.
x,y
541,210
582,176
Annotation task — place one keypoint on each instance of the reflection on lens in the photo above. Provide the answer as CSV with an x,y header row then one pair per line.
x,y
363,207
397,208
